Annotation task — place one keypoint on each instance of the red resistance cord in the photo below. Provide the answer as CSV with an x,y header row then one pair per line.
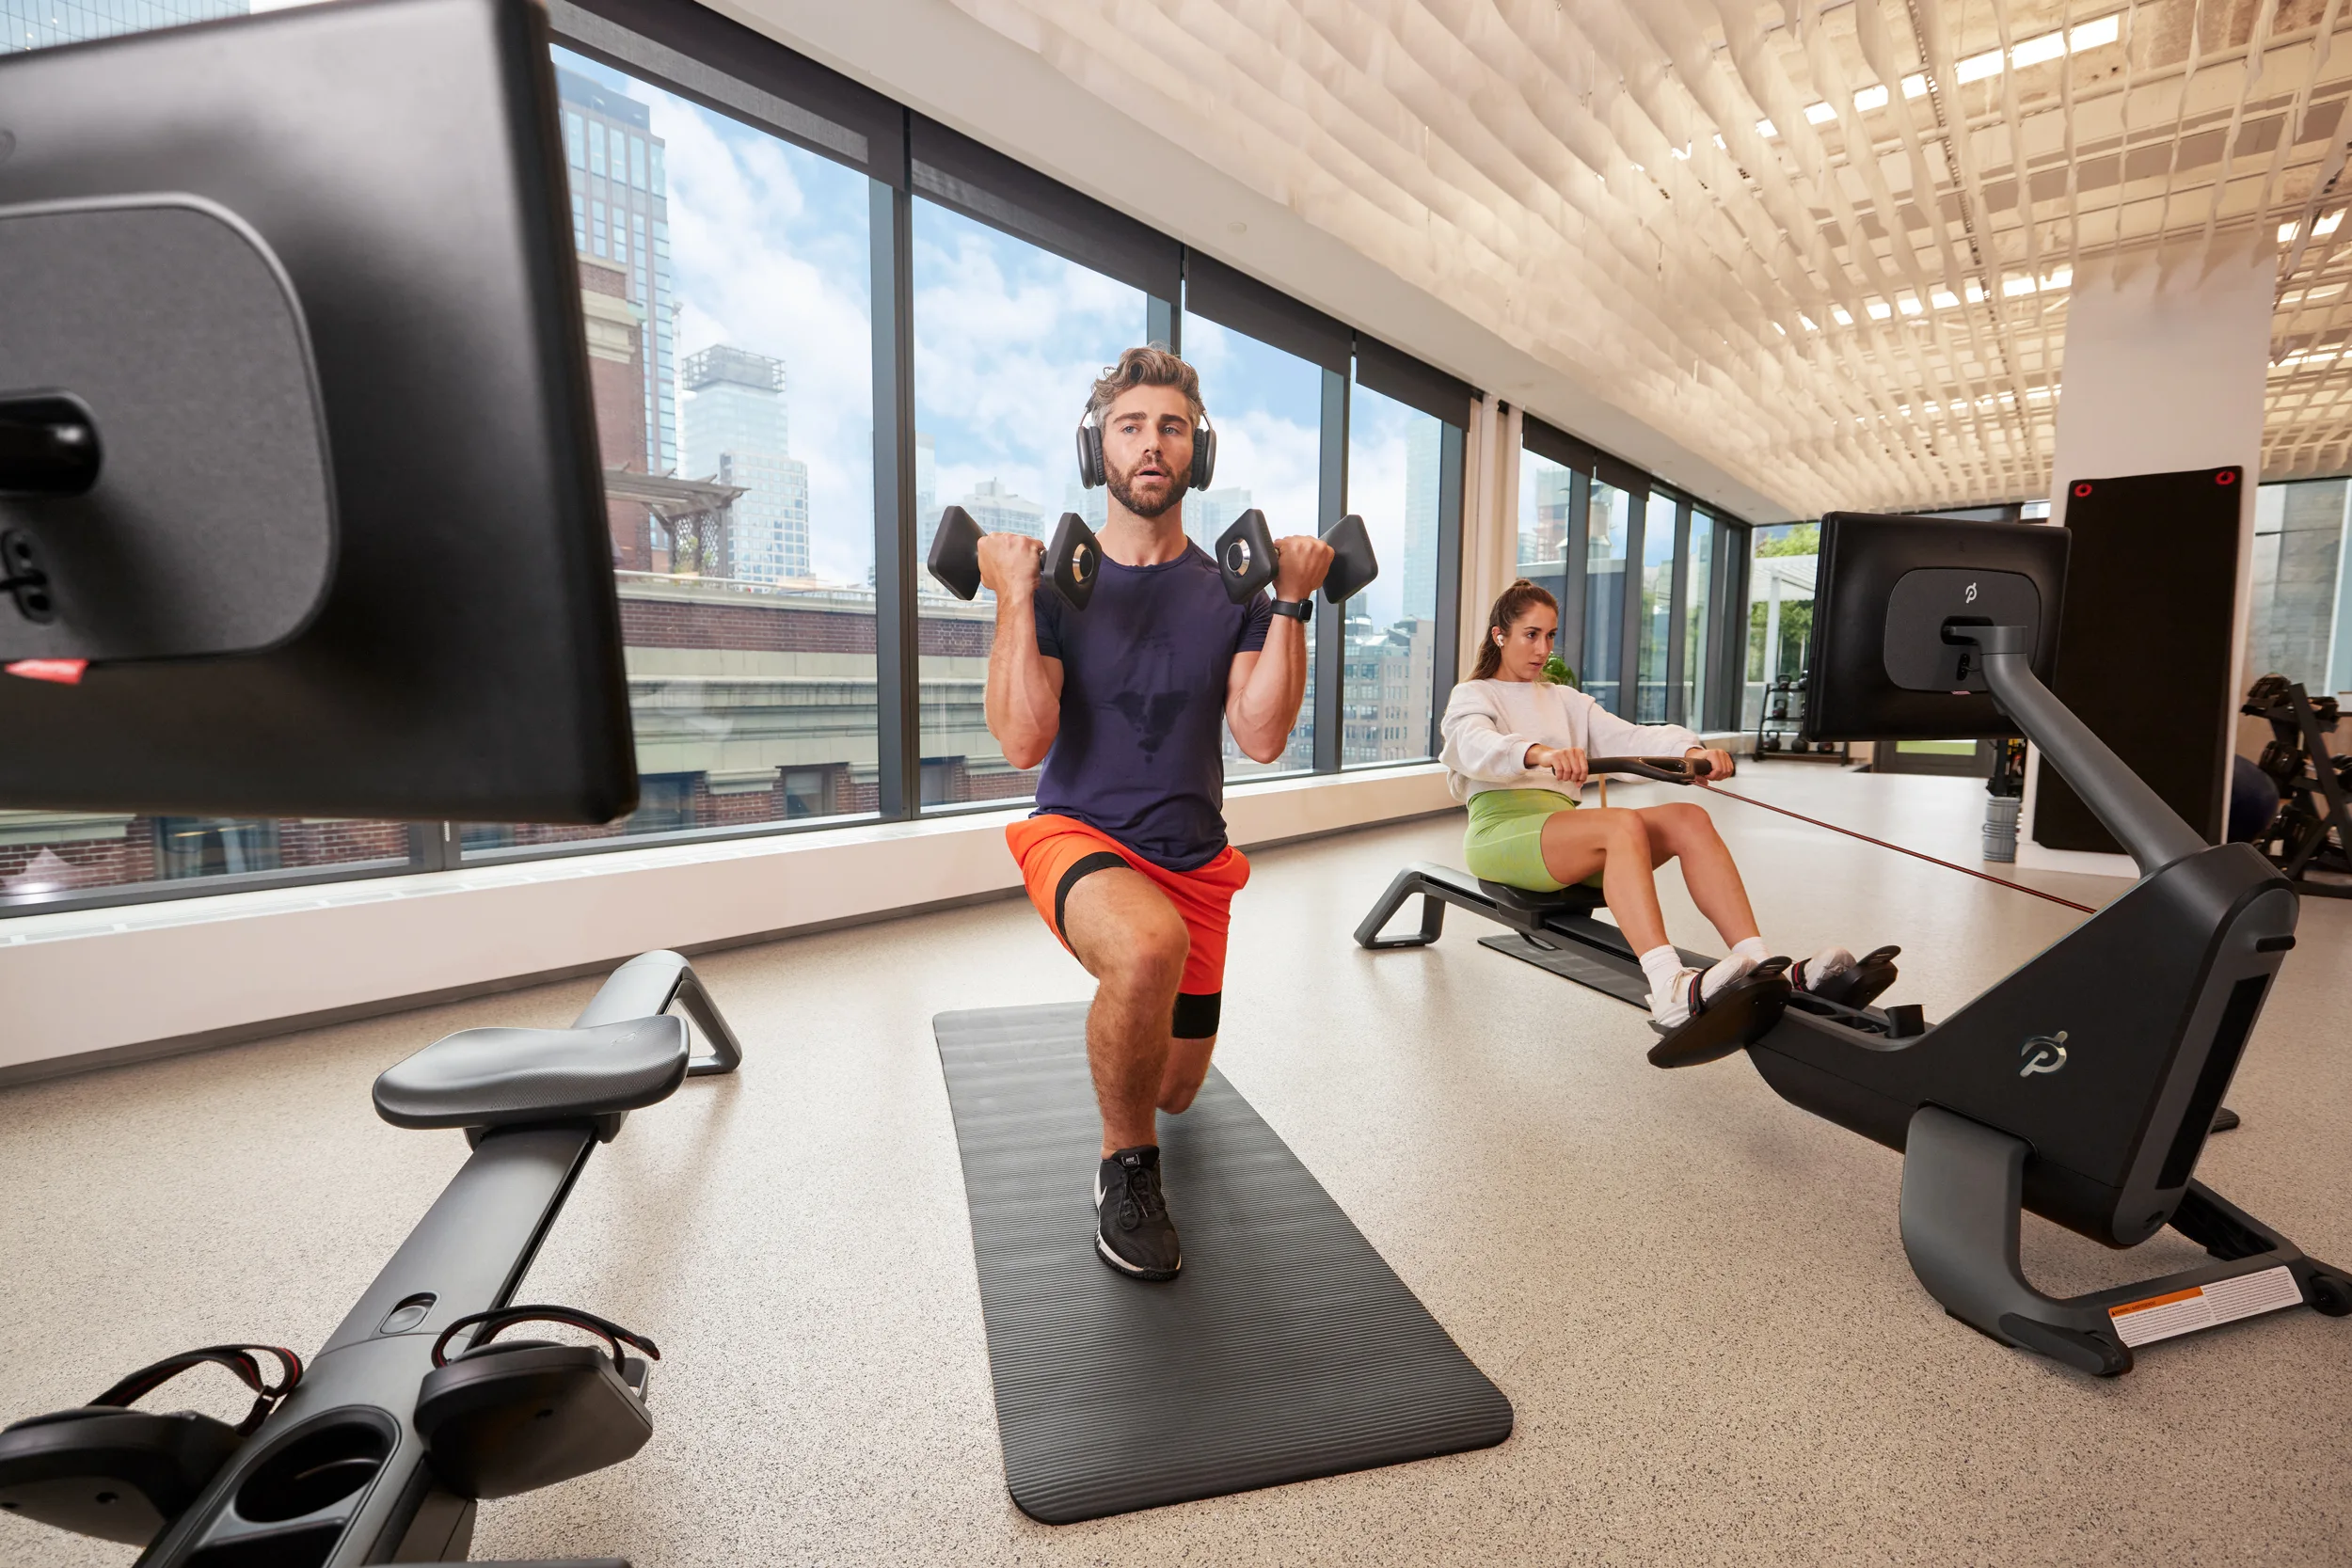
x,y
1998,882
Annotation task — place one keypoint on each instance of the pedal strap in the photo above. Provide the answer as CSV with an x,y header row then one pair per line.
x,y
239,1359
498,1319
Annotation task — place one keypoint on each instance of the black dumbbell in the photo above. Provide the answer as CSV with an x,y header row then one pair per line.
x,y
1245,558
1073,557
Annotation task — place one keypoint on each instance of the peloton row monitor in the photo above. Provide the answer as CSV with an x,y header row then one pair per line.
x,y
301,510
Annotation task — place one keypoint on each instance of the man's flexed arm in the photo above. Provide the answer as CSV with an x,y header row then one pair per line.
x,y
1265,688
1024,686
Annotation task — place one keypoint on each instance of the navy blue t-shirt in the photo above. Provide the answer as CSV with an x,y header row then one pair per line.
x,y
1144,668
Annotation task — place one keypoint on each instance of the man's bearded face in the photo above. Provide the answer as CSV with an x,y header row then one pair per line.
x,y
1147,449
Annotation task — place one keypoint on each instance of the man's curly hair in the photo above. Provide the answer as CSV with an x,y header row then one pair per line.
x,y
1152,365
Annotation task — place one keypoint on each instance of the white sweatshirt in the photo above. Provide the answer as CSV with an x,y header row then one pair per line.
x,y
1488,726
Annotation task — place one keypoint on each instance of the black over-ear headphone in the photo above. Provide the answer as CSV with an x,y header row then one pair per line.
x,y
1093,474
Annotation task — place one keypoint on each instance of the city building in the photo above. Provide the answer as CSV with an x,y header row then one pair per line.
x,y
1423,464
621,214
737,431
1211,513
997,510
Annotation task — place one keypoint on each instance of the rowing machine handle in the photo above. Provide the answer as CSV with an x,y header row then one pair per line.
x,y
1673,771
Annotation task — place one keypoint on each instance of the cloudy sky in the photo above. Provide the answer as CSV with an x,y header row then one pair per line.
x,y
769,250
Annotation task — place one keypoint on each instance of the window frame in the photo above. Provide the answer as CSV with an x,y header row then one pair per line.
x,y
731,70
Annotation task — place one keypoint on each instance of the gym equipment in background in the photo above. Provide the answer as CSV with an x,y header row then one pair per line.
x,y
1557,933
377,1449
2310,840
2148,551
303,558
2084,1084
1286,1348
1245,558
1074,557
1780,722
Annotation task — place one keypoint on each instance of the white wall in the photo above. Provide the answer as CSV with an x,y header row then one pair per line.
x,y
2165,371
144,979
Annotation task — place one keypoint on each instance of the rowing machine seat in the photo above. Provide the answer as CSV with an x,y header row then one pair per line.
x,y
503,1077
1581,900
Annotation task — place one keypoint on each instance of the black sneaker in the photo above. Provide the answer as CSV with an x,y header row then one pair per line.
x,y
1132,1229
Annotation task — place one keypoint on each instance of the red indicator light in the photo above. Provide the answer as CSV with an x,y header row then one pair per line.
x,y
2083,489
2226,476
65,672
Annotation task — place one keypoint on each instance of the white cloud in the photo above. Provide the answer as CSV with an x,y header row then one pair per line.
x,y
1008,339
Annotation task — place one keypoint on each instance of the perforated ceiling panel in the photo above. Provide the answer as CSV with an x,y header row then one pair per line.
x,y
1827,246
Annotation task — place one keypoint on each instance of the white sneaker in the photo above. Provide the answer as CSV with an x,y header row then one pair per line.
x,y
1691,989
1815,973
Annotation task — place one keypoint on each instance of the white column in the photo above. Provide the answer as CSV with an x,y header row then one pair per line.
x,y
2165,371
1489,517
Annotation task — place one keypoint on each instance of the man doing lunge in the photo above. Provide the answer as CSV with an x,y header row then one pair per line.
x,y
1126,857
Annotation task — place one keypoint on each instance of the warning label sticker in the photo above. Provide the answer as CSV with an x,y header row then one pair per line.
x,y
2141,1323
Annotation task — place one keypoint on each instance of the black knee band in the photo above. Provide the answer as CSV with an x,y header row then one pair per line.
x,y
1197,1014
1085,865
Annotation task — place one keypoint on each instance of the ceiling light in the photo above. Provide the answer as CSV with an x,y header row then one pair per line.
x,y
1840,314
2049,46
1976,68
1879,309
1819,114
1915,85
1910,304
1809,325
2039,50
1865,100
1767,129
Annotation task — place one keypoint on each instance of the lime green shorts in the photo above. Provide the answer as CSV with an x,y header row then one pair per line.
x,y
1505,840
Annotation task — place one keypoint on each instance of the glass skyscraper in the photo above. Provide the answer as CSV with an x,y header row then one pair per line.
x,y
621,211
738,431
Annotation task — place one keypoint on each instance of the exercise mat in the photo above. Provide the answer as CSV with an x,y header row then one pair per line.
x,y
1286,1348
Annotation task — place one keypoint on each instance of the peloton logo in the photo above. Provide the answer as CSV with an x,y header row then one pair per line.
x,y
1969,597
2042,1053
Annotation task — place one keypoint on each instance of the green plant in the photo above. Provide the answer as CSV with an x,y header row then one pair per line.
x,y
1557,671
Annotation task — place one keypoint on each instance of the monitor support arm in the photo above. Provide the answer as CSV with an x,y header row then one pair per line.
x,y
2150,831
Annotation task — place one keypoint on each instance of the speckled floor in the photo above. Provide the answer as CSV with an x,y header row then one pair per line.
x,y
1694,1293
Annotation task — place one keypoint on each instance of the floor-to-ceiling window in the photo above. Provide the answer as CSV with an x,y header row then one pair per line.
x,y
1392,459
1697,584
1654,636
1404,479
1779,609
1607,530
2301,599
1549,538
813,320
724,274
1008,339
1267,407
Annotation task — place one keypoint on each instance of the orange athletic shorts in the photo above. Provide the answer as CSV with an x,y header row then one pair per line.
x,y
1056,851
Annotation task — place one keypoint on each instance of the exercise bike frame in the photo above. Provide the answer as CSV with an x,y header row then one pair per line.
x,y
469,1254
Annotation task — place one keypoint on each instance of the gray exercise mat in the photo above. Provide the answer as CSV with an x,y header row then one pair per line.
x,y
1286,1348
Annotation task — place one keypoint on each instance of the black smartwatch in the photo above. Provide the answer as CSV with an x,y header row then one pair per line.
x,y
1302,611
